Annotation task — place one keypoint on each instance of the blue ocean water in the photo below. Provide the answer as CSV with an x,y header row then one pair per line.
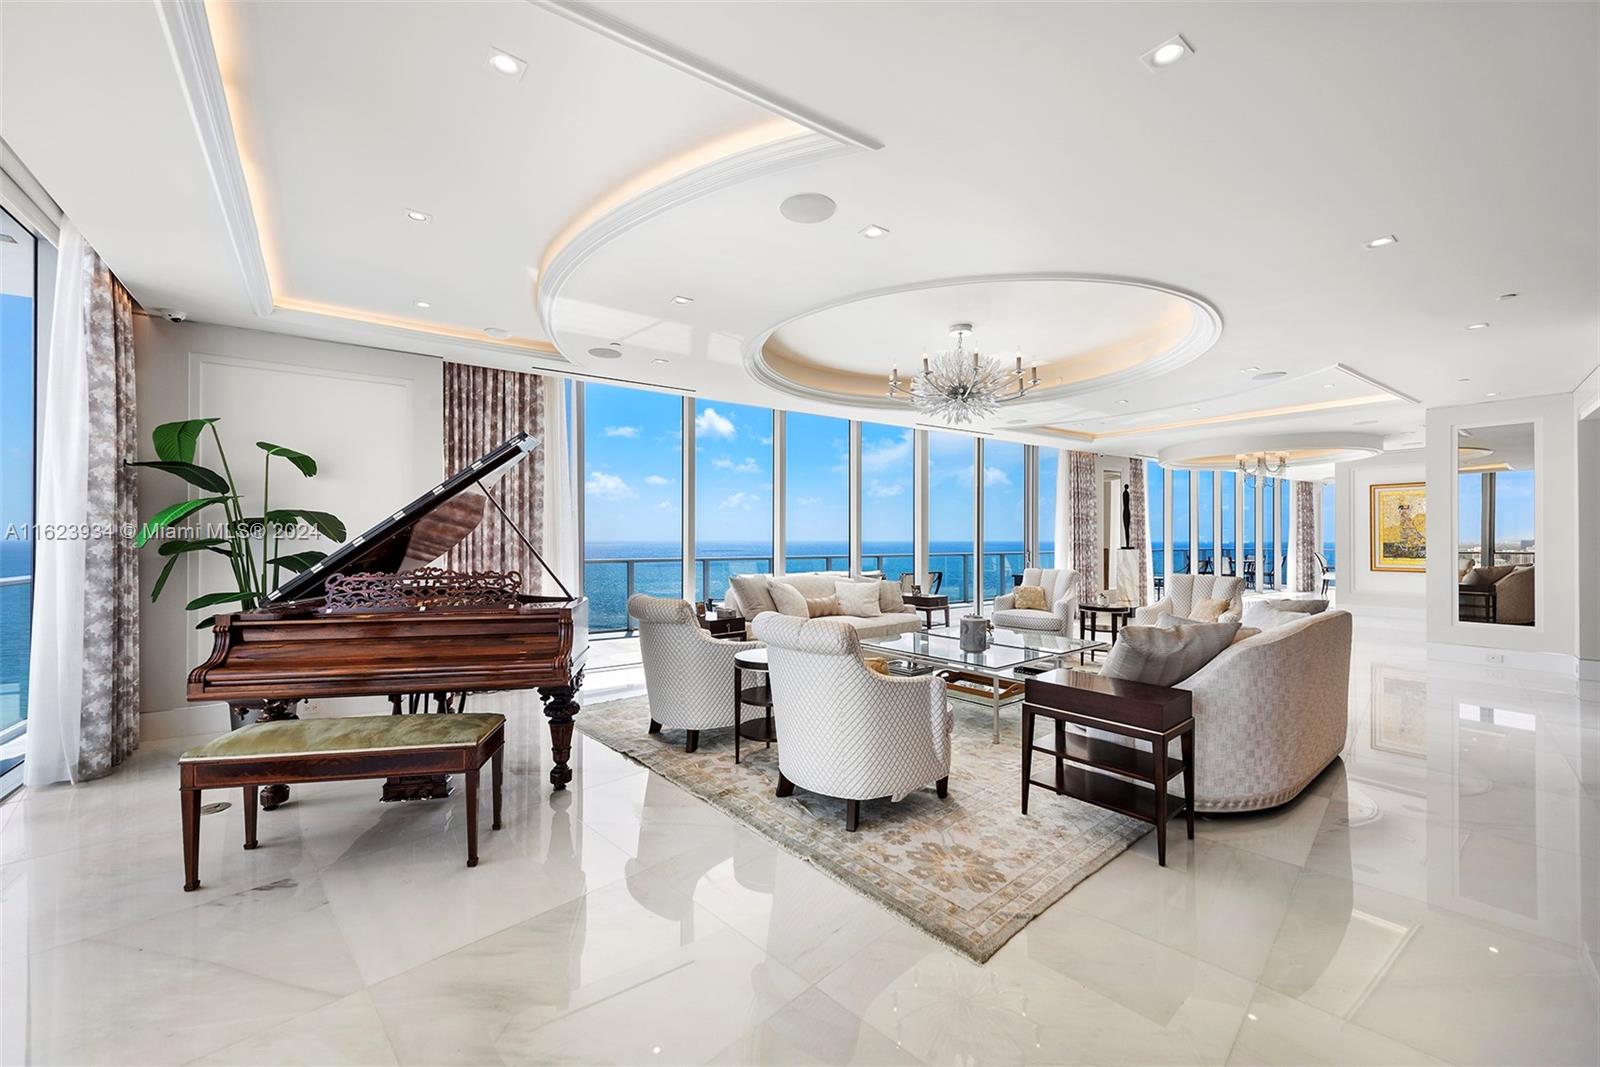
x,y
16,624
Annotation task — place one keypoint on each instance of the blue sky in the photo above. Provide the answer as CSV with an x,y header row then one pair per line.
x,y
1513,499
16,419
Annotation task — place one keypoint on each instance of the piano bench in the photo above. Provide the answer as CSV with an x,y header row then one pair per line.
x,y
335,750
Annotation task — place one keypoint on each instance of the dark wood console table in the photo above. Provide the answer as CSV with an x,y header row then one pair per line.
x,y
1131,780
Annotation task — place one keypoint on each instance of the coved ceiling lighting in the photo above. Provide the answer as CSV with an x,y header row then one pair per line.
x,y
958,387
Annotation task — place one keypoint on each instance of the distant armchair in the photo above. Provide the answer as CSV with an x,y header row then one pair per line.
x,y
688,674
844,730
1060,598
1184,591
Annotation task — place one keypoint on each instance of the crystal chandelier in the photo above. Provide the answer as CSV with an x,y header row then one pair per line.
x,y
959,387
1269,463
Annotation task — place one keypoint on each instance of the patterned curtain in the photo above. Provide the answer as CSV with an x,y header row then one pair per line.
x,y
83,698
1083,516
483,406
1140,534
1303,543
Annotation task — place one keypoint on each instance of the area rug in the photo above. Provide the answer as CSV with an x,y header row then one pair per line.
x,y
970,870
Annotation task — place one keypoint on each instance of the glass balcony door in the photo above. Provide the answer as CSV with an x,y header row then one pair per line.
x,y
18,279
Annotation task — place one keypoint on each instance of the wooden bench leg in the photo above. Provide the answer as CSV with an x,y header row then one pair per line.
x,y
190,799
472,817
250,806
499,781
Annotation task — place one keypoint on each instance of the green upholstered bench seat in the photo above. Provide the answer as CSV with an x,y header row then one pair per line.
x,y
357,733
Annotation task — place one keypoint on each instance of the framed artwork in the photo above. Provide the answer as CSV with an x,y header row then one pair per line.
x,y
1400,527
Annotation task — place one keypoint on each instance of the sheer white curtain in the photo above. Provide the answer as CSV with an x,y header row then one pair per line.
x,y
560,494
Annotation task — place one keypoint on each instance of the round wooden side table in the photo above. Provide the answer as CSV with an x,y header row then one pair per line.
x,y
758,694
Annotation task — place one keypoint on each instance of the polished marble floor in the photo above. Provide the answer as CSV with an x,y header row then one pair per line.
x,y
1434,897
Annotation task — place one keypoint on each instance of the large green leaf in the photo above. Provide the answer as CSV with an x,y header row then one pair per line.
x,y
298,561
175,441
161,579
178,546
327,525
204,477
305,463
168,516
216,598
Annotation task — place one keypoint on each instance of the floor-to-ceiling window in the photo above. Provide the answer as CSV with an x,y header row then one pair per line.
x,y
1285,530
18,277
1227,507
1155,511
1205,522
1002,515
817,493
1182,536
632,499
1329,516
1269,540
733,494
1247,530
952,458
1049,463
888,465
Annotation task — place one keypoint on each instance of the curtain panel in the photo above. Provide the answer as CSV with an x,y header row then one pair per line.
x,y
1303,541
483,406
1083,515
83,694
1138,530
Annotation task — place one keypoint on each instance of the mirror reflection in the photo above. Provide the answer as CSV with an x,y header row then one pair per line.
x,y
1495,531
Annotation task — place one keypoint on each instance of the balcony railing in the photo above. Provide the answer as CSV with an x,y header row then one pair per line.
x,y
16,593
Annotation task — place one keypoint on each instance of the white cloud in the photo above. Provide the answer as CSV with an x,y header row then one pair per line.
x,y
710,423
666,505
807,501
767,441
881,455
622,431
608,487
877,488
739,502
995,476
723,462
656,479
749,466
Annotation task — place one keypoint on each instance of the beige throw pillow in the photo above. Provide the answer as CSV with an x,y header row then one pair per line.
x,y
890,597
1029,598
754,596
1263,615
820,607
788,600
1166,656
858,598
1208,610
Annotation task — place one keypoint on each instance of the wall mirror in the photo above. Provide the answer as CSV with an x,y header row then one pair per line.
x,y
1495,540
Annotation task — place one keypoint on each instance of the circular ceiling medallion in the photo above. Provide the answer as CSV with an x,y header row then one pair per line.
x,y
609,352
1084,332
1301,449
807,207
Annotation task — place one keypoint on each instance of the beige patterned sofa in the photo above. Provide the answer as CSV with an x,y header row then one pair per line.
x,y
895,618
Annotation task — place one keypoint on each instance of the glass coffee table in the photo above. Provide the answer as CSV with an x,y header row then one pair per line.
x,y
990,676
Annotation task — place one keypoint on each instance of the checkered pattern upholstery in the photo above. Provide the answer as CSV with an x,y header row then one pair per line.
x,y
1184,591
688,674
1059,585
843,730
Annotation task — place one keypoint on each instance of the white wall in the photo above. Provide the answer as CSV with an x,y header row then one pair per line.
x,y
1586,401
1555,526
1359,585
370,417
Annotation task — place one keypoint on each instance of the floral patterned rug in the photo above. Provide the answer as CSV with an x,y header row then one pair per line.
x,y
971,870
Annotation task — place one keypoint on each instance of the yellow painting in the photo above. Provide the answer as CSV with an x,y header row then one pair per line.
x,y
1400,527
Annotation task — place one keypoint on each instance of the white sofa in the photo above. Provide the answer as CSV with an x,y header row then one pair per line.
x,y
688,674
1184,591
844,730
898,620
1060,592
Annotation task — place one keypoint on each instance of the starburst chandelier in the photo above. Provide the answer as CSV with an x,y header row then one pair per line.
x,y
1269,463
960,387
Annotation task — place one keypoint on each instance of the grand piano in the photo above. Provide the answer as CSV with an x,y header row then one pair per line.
x,y
376,618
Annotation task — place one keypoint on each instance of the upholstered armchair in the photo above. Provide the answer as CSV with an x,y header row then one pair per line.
x,y
1184,591
1060,596
688,674
844,730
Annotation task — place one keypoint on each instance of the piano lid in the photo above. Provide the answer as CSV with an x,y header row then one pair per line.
x,y
418,533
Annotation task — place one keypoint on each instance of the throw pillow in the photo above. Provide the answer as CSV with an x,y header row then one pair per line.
x,y
1264,616
820,607
858,598
1168,620
1302,605
754,596
876,664
1029,598
1165,657
789,600
1245,633
890,597
1208,610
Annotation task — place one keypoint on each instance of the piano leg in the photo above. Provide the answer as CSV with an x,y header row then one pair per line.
x,y
559,708
270,711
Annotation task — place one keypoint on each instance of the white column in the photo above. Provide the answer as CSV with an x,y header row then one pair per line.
x,y
687,510
855,498
780,499
919,506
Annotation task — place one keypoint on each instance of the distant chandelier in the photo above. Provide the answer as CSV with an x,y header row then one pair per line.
x,y
1269,463
958,387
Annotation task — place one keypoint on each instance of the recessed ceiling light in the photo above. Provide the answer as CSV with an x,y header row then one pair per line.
x,y
7,239
423,304
1491,394
1507,296
874,230
611,351
1249,370
1167,53
1463,379
1384,241
506,63
1328,385
1269,375
1122,401
660,362
808,207
417,216
1194,409
683,300
1477,325
496,332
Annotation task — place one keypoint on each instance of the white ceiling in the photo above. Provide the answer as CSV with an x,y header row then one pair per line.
x,y
1016,138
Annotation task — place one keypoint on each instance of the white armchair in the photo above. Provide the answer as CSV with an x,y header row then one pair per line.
x,y
844,730
688,674
1184,591
1060,587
